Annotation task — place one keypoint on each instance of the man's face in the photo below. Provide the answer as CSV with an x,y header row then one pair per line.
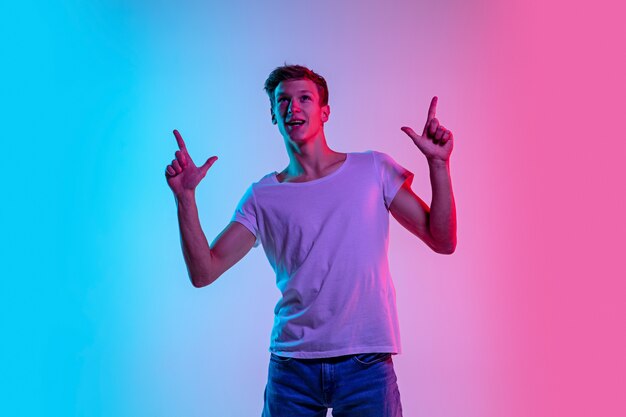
x,y
297,110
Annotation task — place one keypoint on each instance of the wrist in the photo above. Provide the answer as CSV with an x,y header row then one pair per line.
x,y
436,162
185,197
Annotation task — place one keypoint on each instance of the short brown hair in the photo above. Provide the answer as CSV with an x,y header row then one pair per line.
x,y
295,72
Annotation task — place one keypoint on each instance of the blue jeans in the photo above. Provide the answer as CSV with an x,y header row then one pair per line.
x,y
362,385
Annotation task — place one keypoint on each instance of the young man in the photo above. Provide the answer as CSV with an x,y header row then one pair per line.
x,y
324,225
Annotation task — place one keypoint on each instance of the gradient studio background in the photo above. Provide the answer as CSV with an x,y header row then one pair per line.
x,y
98,315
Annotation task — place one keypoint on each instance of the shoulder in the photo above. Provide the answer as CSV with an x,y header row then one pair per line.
x,y
367,155
252,189
265,180
372,154
371,159
377,158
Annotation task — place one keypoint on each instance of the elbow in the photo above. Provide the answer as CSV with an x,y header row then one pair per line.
x,y
197,284
203,277
447,251
200,276
446,248
199,281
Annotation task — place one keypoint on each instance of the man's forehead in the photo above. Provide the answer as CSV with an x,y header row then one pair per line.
x,y
296,86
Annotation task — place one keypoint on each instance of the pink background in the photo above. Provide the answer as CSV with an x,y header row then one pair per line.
x,y
525,319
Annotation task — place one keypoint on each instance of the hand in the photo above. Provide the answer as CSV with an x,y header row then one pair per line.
x,y
183,176
436,141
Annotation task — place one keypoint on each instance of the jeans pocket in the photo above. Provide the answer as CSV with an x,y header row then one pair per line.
x,y
279,359
367,359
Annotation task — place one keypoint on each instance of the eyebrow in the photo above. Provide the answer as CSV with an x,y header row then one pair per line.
x,y
282,93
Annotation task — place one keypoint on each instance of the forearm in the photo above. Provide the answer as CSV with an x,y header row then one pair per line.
x,y
442,217
196,249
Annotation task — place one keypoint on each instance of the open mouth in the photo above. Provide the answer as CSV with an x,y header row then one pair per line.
x,y
295,123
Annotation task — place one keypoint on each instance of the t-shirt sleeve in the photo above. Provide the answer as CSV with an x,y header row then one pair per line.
x,y
245,213
392,175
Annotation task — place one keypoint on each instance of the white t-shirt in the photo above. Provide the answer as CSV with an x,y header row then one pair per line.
x,y
327,240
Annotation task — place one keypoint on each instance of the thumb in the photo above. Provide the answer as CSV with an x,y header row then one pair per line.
x,y
411,133
204,168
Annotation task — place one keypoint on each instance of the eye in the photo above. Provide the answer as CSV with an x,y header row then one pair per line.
x,y
306,97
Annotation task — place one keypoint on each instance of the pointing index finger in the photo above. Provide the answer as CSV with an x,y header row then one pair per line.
x,y
180,141
432,109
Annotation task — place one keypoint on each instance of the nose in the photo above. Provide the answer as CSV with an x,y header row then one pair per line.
x,y
293,107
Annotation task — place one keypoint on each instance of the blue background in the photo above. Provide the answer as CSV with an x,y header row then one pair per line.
x,y
98,317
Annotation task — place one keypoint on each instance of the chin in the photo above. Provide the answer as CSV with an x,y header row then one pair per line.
x,y
298,138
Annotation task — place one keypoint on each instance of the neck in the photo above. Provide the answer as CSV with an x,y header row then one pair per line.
x,y
309,158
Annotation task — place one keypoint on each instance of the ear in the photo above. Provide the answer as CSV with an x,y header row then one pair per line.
x,y
325,113
273,117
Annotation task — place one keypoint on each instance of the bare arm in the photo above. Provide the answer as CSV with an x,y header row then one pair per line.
x,y
442,208
204,264
436,225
